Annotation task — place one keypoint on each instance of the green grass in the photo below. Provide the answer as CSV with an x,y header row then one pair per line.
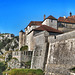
x,y
24,72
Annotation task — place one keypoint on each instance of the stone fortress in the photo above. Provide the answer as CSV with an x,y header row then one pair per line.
x,y
52,42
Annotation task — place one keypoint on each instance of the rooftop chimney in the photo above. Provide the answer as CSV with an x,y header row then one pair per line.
x,y
44,17
70,14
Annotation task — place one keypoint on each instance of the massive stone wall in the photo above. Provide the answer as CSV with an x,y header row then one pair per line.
x,y
30,41
39,53
66,27
61,54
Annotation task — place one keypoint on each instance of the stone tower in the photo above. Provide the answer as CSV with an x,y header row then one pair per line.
x,y
21,39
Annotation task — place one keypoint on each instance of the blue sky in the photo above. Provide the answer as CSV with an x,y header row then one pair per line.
x,y
16,14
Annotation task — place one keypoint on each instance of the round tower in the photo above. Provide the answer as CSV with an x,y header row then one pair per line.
x,y
23,38
20,39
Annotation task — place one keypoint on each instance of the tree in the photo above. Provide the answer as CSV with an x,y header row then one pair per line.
x,y
24,48
2,67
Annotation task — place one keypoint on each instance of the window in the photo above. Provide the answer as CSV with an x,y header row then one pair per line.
x,y
55,36
51,20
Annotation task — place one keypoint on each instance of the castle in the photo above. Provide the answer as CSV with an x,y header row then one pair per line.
x,y
52,43
50,24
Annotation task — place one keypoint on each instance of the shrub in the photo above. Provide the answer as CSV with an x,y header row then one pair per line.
x,y
14,58
28,63
72,69
24,72
24,48
3,66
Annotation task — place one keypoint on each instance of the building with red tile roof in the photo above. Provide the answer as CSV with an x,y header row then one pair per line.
x,y
47,28
50,24
66,24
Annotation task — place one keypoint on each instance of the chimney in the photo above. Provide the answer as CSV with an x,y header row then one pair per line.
x,y
44,17
70,14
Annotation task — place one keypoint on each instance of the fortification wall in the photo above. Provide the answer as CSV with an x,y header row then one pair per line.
x,y
39,53
61,37
30,41
61,54
22,56
65,27
26,56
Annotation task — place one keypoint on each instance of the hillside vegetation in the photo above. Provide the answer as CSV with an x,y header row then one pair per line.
x,y
9,43
24,72
3,66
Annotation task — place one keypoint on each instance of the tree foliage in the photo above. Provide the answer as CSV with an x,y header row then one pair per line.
x,y
3,66
24,48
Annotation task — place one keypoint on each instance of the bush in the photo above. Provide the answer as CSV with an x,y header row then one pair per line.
x,y
14,58
72,69
24,48
3,66
24,72
28,63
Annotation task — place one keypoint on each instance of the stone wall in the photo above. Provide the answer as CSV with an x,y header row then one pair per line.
x,y
50,22
39,53
14,64
61,54
30,41
66,27
26,56
20,39
22,56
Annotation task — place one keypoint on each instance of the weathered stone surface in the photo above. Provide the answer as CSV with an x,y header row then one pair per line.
x,y
22,56
14,63
61,54
39,54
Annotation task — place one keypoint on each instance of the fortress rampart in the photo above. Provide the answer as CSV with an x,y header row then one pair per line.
x,y
54,54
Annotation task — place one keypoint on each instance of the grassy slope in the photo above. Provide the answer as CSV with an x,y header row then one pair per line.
x,y
24,72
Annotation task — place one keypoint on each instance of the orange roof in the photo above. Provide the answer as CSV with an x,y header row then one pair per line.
x,y
47,28
68,19
51,17
35,23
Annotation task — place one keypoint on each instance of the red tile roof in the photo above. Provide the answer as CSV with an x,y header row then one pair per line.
x,y
51,17
39,23
35,23
68,19
47,28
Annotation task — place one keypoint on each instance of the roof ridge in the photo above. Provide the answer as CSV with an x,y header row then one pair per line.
x,y
47,28
51,17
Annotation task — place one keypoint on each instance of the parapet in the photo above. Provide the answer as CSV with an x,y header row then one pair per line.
x,y
61,37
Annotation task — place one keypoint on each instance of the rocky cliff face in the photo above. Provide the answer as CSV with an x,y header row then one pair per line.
x,y
8,44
